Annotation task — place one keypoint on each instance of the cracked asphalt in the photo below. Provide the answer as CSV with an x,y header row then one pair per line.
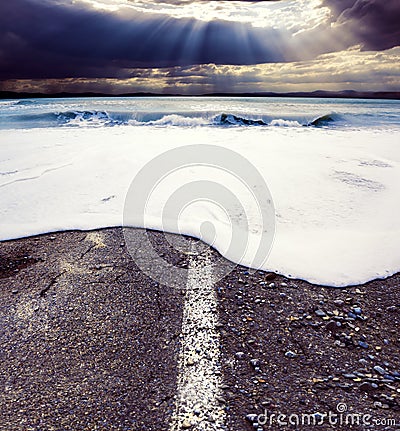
x,y
88,342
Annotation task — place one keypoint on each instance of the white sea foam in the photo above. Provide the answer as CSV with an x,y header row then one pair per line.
x,y
336,192
285,123
179,120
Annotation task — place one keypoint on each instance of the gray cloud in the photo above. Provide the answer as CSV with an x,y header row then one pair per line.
x,y
46,39
372,23
350,69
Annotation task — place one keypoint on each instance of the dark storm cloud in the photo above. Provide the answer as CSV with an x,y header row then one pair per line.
x,y
372,23
43,39
61,39
184,2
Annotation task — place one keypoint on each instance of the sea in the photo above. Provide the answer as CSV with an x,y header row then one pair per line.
x,y
312,183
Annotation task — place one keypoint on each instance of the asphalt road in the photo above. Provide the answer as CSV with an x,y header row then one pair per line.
x,y
89,342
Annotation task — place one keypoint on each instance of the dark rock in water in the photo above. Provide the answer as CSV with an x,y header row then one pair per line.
x,y
322,121
233,119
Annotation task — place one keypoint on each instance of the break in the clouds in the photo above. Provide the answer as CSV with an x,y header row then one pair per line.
x,y
345,70
123,41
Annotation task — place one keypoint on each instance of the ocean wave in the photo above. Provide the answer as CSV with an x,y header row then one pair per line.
x,y
25,102
86,117
102,118
285,123
233,120
179,120
8,102
324,120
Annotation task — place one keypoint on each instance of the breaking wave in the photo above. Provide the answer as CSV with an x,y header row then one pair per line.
x,y
103,118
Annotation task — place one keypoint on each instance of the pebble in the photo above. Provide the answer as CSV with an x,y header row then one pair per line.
x,y
363,344
240,355
333,326
320,313
186,424
357,310
15,291
380,370
391,308
366,387
338,302
389,377
387,398
254,362
345,385
290,354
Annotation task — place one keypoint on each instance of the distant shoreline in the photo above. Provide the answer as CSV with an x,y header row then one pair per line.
x,y
346,94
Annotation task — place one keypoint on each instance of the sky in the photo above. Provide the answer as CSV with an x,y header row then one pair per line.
x,y
198,46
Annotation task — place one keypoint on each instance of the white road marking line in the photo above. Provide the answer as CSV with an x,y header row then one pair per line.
x,y
198,405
